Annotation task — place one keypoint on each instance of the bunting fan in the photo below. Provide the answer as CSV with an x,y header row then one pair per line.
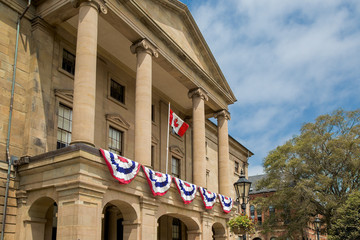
x,y
226,203
187,190
159,182
208,198
121,168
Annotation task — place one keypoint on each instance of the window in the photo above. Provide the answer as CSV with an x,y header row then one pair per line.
x,y
176,229
152,156
117,91
68,62
64,126
175,167
115,141
259,215
237,167
153,113
271,211
252,212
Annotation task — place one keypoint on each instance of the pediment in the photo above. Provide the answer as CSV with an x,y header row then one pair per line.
x,y
173,23
65,94
177,151
118,120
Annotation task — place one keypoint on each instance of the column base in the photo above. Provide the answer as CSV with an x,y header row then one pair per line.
x,y
82,142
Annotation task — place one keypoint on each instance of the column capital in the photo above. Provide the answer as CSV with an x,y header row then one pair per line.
x,y
144,45
198,92
98,4
222,113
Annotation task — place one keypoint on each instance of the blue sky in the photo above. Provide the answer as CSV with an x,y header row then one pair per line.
x,y
287,61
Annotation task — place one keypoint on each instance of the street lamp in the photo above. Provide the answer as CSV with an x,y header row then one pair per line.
x,y
242,187
317,223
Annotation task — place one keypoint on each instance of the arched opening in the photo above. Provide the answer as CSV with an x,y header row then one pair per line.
x,y
176,227
42,223
257,238
218,231
119,221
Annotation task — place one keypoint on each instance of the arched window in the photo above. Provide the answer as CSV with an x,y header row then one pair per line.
x,y
252,212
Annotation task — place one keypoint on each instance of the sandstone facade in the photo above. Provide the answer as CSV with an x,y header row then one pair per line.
x,y
131,58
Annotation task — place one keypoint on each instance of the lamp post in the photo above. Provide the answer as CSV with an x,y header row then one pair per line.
x,y
317,223
242,187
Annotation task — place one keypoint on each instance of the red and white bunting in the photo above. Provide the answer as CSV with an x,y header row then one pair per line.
x,y
187,190
208,198
159,182
226,203
121,168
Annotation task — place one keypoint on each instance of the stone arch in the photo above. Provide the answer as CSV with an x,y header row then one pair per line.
x,y
185,226
42,219
219,231
120,221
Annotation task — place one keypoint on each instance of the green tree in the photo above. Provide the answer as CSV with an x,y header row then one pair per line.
x,y
346,222
315,172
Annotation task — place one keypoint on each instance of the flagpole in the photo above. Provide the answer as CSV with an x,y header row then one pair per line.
x,y
167,142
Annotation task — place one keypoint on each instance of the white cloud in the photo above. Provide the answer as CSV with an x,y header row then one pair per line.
x,y
286,61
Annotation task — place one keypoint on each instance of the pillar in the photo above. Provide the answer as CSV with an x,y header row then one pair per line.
x,y
206,222
144,51
113,223
148,220
79,211
199,159
83,123
225,184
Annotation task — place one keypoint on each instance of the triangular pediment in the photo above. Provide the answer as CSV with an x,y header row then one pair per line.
x,y
176,150
118,120
173,23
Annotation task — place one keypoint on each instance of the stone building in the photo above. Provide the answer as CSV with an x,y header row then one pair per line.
x,y
93,74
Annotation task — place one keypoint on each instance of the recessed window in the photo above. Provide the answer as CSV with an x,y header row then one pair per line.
x,y
153,156
115,141
153,113
117,91
64,126
68,62
176,229
236,167
175,167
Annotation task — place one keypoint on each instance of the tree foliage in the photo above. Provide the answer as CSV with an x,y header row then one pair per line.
x,y
315,172
346,222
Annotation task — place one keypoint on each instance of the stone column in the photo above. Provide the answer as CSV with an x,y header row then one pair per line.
x,y
225,183
144,51
206,225
199,159
148,219
113,223
83,123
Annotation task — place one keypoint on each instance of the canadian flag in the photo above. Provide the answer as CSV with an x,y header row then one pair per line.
x,y
177,124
